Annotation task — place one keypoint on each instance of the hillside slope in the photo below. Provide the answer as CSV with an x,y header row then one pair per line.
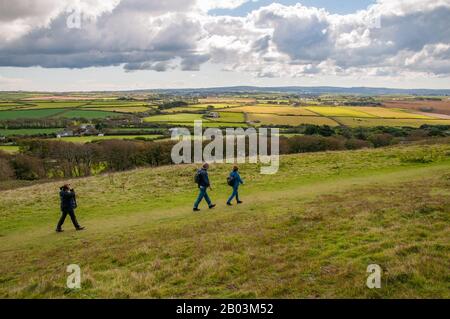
x,y
307,232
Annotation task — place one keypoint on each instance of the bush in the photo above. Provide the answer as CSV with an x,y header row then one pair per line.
x,y
380,140
28,167
6,169
356,144
303,144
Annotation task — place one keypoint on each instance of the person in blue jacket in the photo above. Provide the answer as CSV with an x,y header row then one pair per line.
x,y
202,180
235,180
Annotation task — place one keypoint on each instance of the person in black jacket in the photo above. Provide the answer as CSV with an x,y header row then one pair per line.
x,y
68,205
203,185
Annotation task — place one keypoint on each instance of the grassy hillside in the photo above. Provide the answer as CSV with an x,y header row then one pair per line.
x,y
308,231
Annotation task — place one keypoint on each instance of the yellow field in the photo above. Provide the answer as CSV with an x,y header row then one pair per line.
x,y
273,119
372,122
338,111
280,110
389,113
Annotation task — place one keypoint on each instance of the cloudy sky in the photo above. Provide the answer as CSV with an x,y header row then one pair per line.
x,y
64,45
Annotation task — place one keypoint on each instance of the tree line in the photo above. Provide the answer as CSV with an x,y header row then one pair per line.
x,y
46,159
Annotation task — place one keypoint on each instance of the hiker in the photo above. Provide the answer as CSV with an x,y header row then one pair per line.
x,y
234,180
202,180
68,205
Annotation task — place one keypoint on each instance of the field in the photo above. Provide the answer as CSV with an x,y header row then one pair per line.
x,y
31,131
53,105
442,107
229,117
280,110
227,100
310,231
123,109
178,118
9,149
273,119
372,122
214,105
335,111
88,139
87,114
30,114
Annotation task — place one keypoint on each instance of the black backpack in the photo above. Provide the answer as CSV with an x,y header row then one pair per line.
x,y
197,177
230,180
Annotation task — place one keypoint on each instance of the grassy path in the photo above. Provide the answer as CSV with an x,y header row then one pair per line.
x,y
309,231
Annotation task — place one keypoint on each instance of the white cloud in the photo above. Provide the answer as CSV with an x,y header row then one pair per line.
x,y
392,37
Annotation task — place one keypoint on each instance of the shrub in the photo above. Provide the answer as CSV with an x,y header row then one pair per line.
x,y
6,169
355,144
28,167
380,140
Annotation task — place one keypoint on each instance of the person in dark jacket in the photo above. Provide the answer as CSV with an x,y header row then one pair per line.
x,y
68,205
203,185
236,181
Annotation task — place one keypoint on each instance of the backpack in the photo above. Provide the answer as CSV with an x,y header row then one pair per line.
x,y
230,180
197,177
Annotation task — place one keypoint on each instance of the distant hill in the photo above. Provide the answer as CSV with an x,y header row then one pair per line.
x,y
304,90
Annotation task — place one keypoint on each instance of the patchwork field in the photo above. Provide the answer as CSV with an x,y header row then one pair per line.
x,y
226,100
280,110
214,105
389,113
122,109
87,114
309,231
178,117
273,119
335,111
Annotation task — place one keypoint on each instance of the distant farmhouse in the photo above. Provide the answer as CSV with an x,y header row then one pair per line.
x,y
82,130
213,115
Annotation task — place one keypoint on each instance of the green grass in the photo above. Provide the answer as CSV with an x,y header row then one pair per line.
x,y
30,114
308,231
54,105
178,117
87,114
31,131
9,149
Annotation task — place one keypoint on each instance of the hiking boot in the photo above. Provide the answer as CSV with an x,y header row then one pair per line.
x,y
80,228
196,209
212,206
239,202
229,204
